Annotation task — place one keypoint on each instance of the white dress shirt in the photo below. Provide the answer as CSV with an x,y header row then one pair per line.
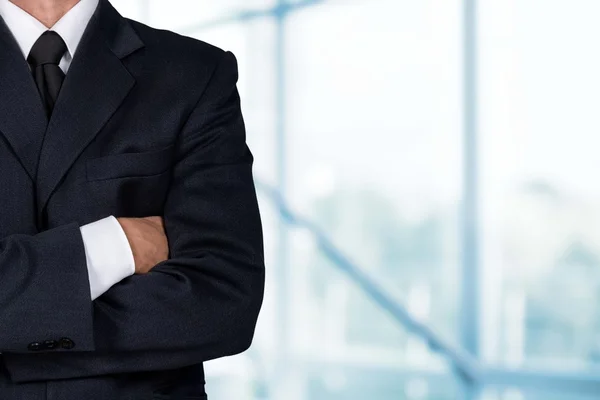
x,y
108,254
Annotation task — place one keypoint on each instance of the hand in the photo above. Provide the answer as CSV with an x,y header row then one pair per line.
x,y
148,241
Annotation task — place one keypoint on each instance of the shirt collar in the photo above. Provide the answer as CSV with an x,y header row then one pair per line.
x,y
26,29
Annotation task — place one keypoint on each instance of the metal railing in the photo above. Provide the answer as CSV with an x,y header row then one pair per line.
x,y
469,369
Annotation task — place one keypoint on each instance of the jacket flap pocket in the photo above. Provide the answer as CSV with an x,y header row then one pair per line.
x,y
129,164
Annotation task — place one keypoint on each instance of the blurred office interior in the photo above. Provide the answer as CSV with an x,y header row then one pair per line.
x,y
426,172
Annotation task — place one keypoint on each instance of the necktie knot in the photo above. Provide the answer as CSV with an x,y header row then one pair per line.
x,y
48,49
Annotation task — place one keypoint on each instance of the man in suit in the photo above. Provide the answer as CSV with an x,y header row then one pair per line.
x,y
130,238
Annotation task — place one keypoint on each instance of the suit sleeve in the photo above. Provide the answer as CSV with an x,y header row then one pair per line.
x,y
203,302
44,290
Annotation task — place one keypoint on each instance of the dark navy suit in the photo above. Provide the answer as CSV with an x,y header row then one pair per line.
x,y
147,122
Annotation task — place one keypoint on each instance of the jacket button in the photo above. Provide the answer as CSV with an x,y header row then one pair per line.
x,y
66,343
50,344
35,346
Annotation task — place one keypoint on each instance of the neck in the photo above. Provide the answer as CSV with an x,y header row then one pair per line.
x,y
48,12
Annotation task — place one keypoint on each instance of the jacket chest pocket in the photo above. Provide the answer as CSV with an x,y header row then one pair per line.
x,y
126,165
129,184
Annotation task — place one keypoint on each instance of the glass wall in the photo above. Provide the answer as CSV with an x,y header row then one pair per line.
x,y
539,102
363,122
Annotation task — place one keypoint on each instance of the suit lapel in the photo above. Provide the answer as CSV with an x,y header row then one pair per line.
x,y
95,85
22,116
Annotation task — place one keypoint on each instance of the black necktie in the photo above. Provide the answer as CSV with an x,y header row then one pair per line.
x,y
44,57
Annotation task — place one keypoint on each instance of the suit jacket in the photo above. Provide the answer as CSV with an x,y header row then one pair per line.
x,y
147,122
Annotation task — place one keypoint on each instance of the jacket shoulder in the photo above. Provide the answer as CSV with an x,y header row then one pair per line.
x,y
172,46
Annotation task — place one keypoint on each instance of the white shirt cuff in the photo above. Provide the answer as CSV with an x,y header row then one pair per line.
x,y
108,254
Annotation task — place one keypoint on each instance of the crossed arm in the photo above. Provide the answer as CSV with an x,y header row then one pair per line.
x,y
199,304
